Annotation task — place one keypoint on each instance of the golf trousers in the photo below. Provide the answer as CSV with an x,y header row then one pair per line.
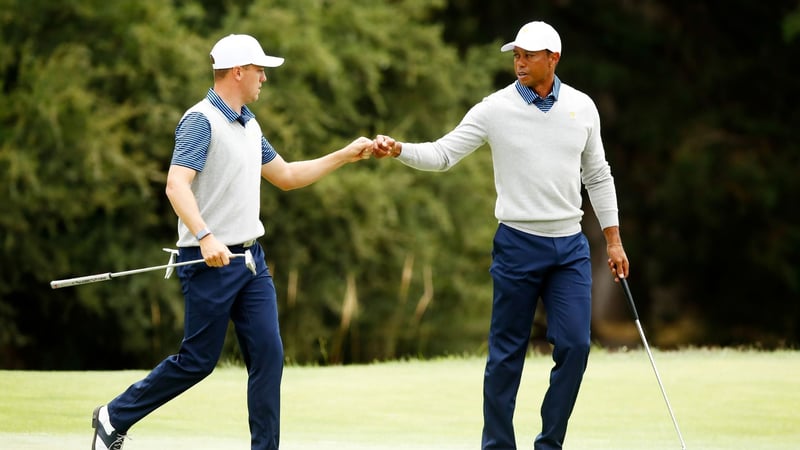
x,y
213,297
525,268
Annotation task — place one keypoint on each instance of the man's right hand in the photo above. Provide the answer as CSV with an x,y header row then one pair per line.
x,y
215,253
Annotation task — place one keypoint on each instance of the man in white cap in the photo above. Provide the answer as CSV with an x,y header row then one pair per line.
x,y
213,185
545,142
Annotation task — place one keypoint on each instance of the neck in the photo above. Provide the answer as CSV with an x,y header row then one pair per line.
x,y
544,88
543,85
229,96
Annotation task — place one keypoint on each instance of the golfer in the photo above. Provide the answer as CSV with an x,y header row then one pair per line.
x,y
545,141
213,184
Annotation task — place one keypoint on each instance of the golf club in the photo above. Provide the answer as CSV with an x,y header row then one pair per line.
x,y
629,296
249,262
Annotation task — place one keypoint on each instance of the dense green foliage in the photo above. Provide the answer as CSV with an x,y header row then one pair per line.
x,y
378,261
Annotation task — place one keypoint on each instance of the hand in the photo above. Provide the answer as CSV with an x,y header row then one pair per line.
x,y
214,252
359,149
617,261
385,146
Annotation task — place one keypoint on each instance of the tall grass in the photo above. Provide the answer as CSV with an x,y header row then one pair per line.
x,y
722,399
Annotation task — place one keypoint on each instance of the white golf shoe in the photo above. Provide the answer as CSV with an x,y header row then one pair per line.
x,y
105,436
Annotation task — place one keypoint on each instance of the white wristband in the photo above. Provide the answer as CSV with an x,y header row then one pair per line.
x,y
203,233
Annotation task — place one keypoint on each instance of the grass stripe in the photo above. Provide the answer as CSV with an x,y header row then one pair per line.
x,y
722,399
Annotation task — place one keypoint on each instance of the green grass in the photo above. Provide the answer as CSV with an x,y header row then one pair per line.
x,y
722,399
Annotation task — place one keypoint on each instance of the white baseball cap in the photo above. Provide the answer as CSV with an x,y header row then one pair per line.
x,y
240,50
534,36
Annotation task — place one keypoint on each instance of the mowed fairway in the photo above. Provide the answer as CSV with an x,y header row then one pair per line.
x,y
722,399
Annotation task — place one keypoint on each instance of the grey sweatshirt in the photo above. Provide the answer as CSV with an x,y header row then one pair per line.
x,y
540,159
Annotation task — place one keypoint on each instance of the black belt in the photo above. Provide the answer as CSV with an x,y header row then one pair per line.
x,y
246,244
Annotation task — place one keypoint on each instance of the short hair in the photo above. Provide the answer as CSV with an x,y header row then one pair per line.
x,y
221,73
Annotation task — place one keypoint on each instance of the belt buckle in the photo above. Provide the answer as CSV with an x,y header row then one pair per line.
x,y
248,244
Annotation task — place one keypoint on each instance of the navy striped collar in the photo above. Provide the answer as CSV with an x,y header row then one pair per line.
x,y
226,110
530,96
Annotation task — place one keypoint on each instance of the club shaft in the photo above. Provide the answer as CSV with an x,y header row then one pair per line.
x,y
660,384
150,269
55,284
632,305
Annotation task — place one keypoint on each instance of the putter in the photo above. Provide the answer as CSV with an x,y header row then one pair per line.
x,y
173,254
249,262
632,305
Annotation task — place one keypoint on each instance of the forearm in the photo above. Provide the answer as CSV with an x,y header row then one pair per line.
x,y
603,196
424,156
448,150
287,176
445,153
612,236
185,206
180,195
304,173
617,259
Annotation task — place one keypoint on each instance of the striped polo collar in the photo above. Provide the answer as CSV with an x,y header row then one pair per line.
x,y
226,110
529,95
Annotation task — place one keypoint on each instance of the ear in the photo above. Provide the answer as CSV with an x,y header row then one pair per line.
x,y
238,71
554,59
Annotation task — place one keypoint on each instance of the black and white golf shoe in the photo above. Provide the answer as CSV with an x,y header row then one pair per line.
x,y
105,436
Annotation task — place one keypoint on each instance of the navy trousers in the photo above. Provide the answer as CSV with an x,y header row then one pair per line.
x,y
525,268
213,297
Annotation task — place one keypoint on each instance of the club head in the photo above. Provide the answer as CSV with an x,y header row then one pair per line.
x,y
249,262
172,255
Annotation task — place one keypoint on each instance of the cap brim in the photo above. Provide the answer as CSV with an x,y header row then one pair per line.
x,y
512,45
268,61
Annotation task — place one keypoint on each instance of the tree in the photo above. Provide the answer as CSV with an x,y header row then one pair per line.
x,y
95,92
380,261
699,125
92,93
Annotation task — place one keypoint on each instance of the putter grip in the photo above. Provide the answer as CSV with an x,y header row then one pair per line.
x,y
629,297
55,284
